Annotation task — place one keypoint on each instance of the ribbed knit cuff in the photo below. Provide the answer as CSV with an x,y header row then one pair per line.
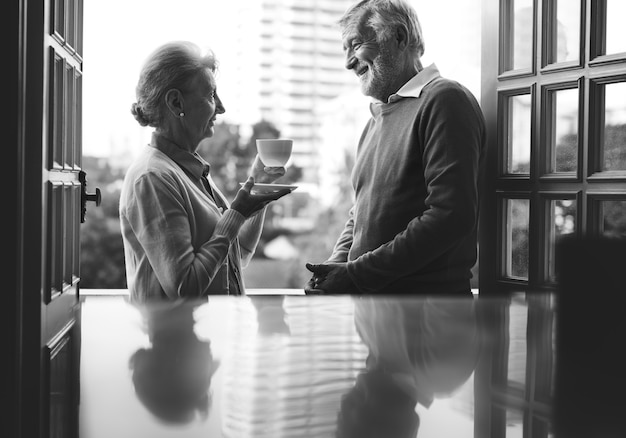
x,y
230,224
351,268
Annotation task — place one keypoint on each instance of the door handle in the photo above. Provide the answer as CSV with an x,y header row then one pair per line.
x,y
87,197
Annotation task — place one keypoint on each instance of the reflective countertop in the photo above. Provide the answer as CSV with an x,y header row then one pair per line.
x,y
340,366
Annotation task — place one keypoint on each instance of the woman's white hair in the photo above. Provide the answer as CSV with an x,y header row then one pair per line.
x,y
172,65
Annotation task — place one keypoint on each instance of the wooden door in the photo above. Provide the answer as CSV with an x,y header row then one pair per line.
x,y
50,197
554,95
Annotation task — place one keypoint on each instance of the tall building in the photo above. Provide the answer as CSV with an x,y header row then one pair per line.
x,y
287,62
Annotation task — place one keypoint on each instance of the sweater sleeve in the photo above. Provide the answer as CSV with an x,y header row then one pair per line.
x,y
249,236
160,222
344,242
451,132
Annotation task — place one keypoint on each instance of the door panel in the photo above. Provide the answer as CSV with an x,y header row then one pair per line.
x,y
50,308
60,313
61,354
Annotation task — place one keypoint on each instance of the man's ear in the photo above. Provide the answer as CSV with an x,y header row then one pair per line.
x,y
402,37
175,101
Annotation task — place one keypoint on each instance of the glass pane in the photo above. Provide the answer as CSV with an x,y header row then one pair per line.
x,y
519,134
615,29
541,427
614,147
564,141
543,330
516,239
562,222
522,34
567,40
554,355
613,218
518,321
514,423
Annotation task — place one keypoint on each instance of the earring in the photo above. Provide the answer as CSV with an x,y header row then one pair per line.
x,y
182,114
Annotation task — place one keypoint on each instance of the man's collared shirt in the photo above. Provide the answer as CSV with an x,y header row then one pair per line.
x,y
414,86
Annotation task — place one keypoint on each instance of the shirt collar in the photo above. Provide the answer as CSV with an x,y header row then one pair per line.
x,y
414,86
189,162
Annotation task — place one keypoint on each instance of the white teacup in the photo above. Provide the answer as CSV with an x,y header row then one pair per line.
x,y
274,152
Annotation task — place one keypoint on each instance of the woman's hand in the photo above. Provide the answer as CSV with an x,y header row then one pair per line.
x,y
263,174
248,203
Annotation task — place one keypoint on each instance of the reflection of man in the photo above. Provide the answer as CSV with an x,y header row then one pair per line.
x,y
376,407
419,349
429,345
412,227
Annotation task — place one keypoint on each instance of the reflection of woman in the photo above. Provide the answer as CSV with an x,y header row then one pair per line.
x,y
181,236
172,378
419,349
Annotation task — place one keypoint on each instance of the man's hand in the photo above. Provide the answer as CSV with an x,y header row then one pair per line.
x,y
330,278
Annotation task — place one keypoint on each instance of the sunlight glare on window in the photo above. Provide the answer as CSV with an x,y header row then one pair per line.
x,y
566,33
523,15
565,131
615,29
519,134
614,147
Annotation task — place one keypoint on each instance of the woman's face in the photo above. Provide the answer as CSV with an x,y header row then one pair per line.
x,y
201,106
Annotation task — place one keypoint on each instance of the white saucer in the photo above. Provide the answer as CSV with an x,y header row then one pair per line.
x,y
269,188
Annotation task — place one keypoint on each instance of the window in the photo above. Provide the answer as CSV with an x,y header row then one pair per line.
x,y
557,146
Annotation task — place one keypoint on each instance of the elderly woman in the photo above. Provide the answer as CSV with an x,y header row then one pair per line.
x,y
181,237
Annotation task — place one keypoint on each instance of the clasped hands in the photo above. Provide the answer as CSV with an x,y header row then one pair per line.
x,y
329,278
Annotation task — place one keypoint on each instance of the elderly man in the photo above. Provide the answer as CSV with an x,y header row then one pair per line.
x,y
413,225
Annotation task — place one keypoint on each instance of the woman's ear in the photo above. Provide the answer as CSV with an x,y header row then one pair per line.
x,y
175,101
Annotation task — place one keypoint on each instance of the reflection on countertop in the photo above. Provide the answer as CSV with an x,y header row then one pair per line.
x,y
320,366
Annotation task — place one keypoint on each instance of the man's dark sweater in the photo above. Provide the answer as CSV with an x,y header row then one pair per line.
x,y
413,226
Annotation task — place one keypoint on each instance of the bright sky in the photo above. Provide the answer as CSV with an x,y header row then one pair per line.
x,y
119,34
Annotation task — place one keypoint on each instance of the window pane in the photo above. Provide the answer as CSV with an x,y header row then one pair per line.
x,y
562,222
514,423
615,29
522,34
555,357
613,218
519,134
564,140
541,426
566,45
516,239
614,145
518,321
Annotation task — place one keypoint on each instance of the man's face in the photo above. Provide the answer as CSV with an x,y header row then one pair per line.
x,y
375,64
